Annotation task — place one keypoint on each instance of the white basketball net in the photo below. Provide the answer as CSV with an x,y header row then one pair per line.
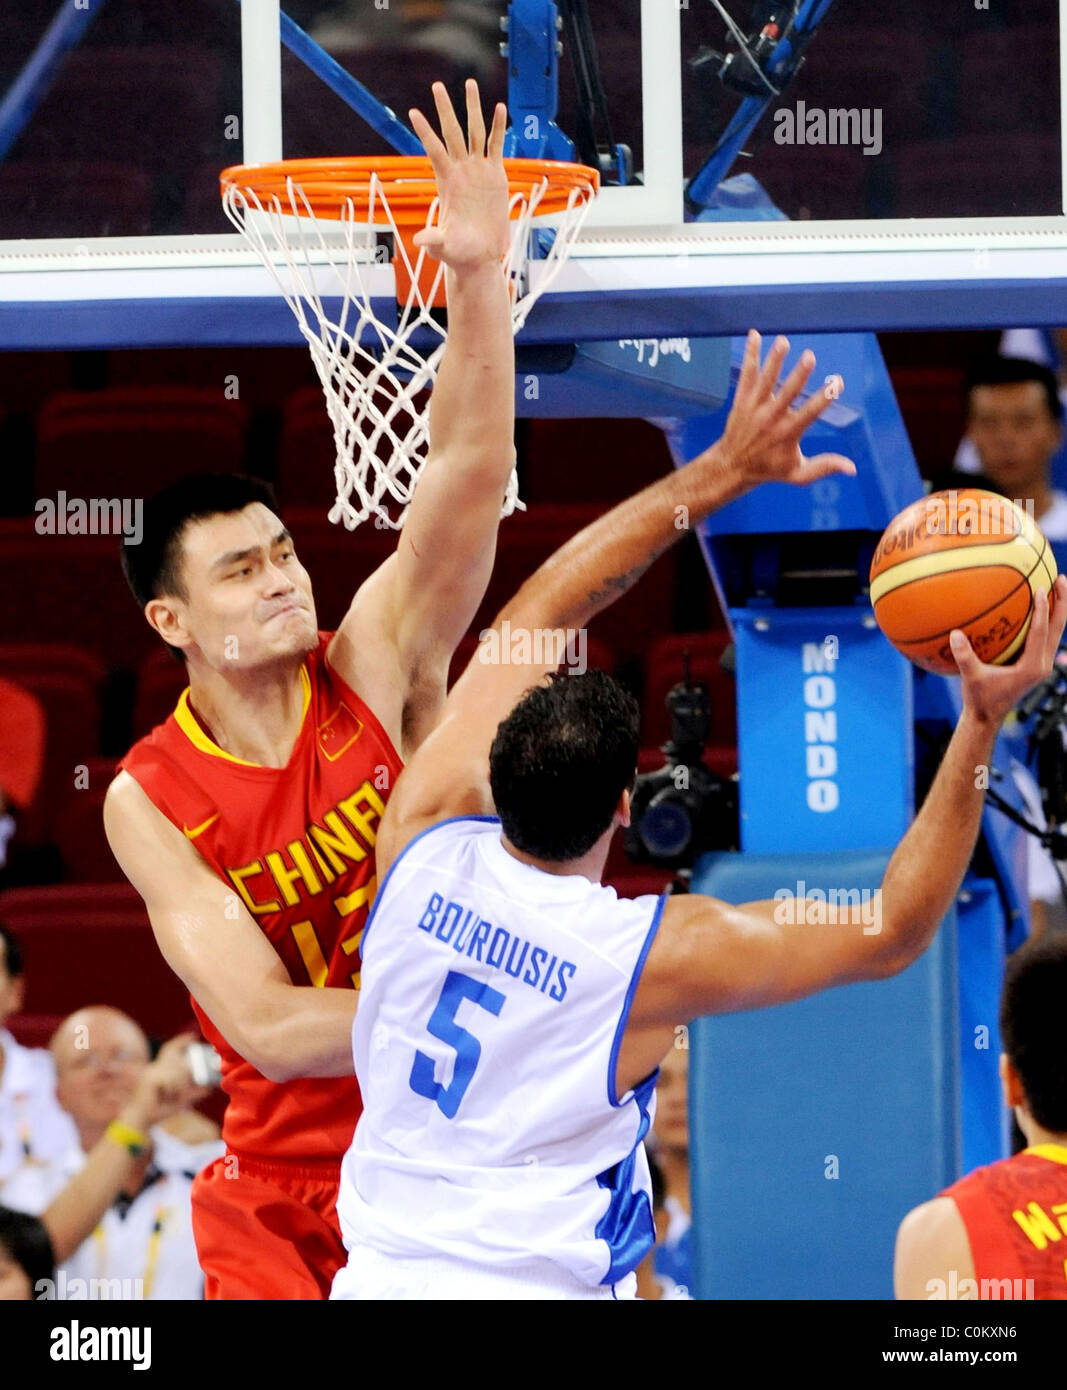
x,y
372,372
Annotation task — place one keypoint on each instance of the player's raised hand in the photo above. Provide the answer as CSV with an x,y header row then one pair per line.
x,y
991,692
472,221
763,432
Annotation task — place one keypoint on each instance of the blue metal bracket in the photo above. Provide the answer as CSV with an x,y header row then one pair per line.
x,y
531,48
778,69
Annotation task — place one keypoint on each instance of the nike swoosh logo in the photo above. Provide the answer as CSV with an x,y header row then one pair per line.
x,y
192,834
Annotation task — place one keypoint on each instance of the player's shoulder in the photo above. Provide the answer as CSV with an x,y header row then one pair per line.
x,y
931,1240
930,1221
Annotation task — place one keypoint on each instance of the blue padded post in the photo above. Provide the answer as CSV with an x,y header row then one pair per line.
x,y
815,1126
985,1118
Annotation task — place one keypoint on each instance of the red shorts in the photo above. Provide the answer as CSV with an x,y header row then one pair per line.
x,y
267,1230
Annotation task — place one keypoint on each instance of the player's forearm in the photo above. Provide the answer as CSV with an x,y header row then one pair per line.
x,y
303,1032
927,868
472,409
602,562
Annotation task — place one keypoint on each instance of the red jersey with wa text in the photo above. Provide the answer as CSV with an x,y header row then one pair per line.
x,y
1015,1212
296,847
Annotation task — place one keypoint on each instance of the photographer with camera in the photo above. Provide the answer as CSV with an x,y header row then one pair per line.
x,y
117,1204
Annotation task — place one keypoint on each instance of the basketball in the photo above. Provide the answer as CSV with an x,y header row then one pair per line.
x,y
966,559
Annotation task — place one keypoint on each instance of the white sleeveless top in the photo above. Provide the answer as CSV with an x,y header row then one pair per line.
x,y
493,1005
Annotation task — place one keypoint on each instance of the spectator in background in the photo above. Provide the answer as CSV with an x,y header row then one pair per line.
x,y
671,1151
1015,426
22,740
1005,1224
465,32
651,1285
146,1237
33,1124
25,1255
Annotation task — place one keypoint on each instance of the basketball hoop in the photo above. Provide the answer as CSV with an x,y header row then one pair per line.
x,y
317,225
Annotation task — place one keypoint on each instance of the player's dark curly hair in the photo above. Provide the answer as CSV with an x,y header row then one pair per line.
x,y
26,1240
153,565
560,761
1031,1026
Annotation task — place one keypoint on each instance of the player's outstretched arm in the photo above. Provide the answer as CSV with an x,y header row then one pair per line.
x,y
423,599
212,944
711,957
761,443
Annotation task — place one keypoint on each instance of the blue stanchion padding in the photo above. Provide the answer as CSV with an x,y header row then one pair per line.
x,y
824,732
985,1119
739,199
815,1126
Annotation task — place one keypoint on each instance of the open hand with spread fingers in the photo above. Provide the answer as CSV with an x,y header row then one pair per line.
x,y
763,432
472,221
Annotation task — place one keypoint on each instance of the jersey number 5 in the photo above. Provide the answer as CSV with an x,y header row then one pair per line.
x,y
468,1049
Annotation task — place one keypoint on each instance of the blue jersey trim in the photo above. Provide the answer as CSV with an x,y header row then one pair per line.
x,y
613,1060
628,1227
437,825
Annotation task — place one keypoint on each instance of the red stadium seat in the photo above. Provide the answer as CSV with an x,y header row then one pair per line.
x,y
72,740
160,681
637,882
92,944
664,668
528,538
130,441
592,460
79,828
33,1030
933,402
307,453
71,587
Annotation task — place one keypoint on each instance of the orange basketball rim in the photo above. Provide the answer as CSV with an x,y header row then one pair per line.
x,y
398,191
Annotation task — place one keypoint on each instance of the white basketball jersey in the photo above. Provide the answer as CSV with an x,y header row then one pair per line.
x,y
493,1004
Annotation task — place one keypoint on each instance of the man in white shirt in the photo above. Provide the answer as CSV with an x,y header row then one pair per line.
x,y
143,1247
33,1124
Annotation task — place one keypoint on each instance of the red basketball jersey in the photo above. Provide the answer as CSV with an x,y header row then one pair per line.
x,y
296,846
1015,1212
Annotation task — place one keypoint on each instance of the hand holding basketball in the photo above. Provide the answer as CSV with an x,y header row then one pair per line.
x,y
472,220
763,433
991,692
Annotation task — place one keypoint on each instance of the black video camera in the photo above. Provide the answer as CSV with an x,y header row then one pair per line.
x,y
683,809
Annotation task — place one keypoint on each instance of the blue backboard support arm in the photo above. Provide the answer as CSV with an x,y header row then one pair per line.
x,y
778,70
32,84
